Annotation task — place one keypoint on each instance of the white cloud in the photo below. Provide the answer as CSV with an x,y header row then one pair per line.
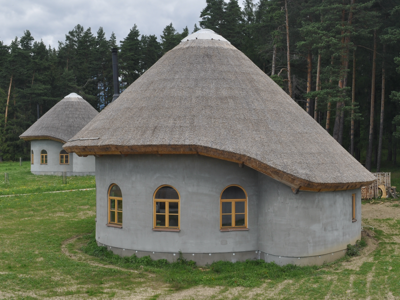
x,y
50,20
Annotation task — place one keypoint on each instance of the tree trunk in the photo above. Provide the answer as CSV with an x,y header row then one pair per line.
x,y
390,145
353,99
341,125
328,112
273,60
371,118
378,166
288,52
318,86
8,101
309,79
336,126
339,119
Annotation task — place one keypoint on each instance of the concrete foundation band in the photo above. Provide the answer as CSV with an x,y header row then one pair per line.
x,y
231,256
306,225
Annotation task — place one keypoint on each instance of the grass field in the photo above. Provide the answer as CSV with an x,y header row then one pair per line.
x,y
22,181
42,238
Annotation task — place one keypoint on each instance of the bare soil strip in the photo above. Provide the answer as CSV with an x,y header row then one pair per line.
x,y
81,257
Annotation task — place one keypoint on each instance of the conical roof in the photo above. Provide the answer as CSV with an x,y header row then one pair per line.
x,y
62,121
206,97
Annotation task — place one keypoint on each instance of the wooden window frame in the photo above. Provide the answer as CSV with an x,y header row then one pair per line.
x,y
354,208
32,158
116,223
43,158
64,156
233,201
167,214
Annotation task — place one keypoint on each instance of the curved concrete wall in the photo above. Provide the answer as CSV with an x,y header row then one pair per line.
x,y
199,181
77,165
280,223
83,165
53,166
305,225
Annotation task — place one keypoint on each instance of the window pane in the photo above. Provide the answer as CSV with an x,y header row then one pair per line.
x,y
63,152
43,152
119,217
66,159
45,159
173,220
112,216
233,192
226,207
227,220
62,159
167,192
173,207
239,207
160,220
115,191
119,203
160,207
112,204
239,220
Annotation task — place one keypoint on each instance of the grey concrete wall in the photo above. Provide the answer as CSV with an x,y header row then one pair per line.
x,y
84,165
77,165
283,227
53,166
306,224
199,181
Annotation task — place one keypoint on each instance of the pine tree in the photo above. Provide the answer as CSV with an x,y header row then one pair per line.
x,y
130,57
212,15
232,24
152,53
170,38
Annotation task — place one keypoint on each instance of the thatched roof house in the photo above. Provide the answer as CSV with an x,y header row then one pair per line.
x,y
207,106
55,128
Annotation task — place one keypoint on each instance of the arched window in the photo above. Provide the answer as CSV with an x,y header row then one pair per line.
x,y
43,157
115,205
32,157
166,208
233,208
64,158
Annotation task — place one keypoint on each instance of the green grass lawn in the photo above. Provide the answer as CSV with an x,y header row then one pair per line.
x,y
22,181
39,260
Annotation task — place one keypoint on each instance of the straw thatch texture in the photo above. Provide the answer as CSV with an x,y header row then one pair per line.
x,y
206,97
62,121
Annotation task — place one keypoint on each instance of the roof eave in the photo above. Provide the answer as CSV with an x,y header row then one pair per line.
x,y
41,137
294,182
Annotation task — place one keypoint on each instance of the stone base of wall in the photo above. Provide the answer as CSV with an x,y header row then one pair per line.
x,y
202,259
60,173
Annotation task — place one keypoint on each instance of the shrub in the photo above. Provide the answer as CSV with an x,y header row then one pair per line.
x,y
354,250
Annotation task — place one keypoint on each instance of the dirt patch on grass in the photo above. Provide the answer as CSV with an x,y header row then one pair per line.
x,y
356,262
384,210
82,257
198,292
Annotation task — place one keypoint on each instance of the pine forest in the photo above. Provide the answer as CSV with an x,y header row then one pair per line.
x,y
339,60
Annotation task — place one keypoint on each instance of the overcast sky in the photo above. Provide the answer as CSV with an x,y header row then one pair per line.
x,y
50,20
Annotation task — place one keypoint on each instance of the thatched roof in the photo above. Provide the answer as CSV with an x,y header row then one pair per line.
x,y
62,121
206,97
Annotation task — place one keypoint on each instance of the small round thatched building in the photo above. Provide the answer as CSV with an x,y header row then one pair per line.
x,y
52,131
205,155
